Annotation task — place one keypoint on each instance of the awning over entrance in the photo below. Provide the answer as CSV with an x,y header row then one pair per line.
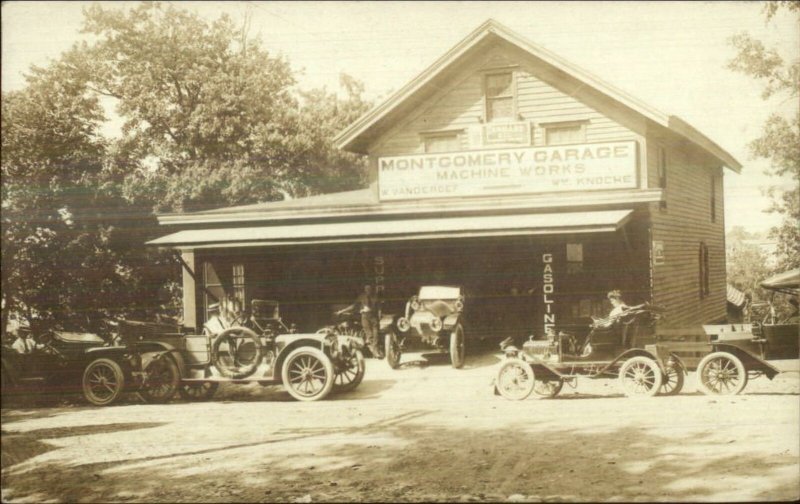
x,y
394,230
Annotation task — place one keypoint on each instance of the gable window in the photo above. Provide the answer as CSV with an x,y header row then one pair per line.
x,y
703,279
498,89
565,133
443,142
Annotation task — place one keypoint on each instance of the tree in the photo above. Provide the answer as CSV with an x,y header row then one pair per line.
x,y
214,114
780,137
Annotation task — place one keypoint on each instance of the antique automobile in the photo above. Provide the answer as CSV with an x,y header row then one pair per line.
x,y
65,362
309,366
622,347
733,358
433,319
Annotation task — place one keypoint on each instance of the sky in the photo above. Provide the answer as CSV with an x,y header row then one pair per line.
x,y
671,55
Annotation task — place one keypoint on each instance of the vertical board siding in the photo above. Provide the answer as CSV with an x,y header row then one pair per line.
x,y
685,223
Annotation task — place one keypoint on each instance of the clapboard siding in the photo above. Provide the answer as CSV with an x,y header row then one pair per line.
x,y
461,106
684,224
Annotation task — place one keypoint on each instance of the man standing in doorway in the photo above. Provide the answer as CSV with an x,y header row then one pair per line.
x,y
367,305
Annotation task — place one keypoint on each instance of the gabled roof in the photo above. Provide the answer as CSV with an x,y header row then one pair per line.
x,y
355,137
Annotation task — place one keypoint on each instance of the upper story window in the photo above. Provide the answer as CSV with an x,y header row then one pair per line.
x,y
498,89
565,133
444,142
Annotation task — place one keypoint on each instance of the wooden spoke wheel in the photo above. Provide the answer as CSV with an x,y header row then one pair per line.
x,y
721,373
640,377
547,389
457,347
673,380
515,379
103,382
308,374
393,351
162,379
350,373
198,391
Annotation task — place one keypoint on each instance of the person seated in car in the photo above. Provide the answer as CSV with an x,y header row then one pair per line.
x,y
24,343
618,308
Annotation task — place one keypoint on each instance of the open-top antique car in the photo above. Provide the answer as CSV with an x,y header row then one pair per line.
x,y
433,319
309,366
63,362
623,347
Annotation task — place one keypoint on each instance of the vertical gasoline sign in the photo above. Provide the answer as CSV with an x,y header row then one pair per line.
x,y
548,289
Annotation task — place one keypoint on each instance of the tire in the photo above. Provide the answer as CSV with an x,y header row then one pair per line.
x,y
235,371
163,380
721,373
308,374
457,347
197,391
640,377
393,352
547,389
515,379
349,375
673,380
103,382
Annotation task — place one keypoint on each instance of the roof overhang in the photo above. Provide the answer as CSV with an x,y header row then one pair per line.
x,y
398,230
351,138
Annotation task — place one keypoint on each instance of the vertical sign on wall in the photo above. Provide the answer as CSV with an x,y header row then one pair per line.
x,y
379,270
658,252
548,288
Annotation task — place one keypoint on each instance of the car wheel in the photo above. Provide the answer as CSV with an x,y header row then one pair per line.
x,y
457,347
308,374
197,391
103,382
549,388
673,380
350,373
393,351
640,377
162,380
515,379
721,373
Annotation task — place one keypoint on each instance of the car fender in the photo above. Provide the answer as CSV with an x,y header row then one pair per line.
x,y
291,342
650,351
450,321
151,350
751,362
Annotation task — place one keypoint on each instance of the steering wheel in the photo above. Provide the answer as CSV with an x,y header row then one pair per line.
x,y
46,340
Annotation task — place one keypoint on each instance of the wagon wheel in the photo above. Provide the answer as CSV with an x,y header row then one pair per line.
x,y
393,351
161,381
457,347
103,382
226,361
721,373
549,388
673,380
350,373
640,377
308,374
515,379
198,391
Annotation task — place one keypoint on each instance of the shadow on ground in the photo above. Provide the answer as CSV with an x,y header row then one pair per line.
x,y
404,459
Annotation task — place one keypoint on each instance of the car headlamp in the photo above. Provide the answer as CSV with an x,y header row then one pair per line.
x,y
459,304
436,324
403,324
415,304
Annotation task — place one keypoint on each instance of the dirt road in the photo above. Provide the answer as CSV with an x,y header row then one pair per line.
x,y
416,434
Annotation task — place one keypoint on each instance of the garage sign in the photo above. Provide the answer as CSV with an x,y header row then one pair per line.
x,y
527,170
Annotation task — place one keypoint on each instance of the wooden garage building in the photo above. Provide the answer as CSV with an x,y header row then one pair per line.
x,y
500,164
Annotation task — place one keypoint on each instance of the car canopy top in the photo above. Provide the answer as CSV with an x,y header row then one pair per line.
x,y
787,282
